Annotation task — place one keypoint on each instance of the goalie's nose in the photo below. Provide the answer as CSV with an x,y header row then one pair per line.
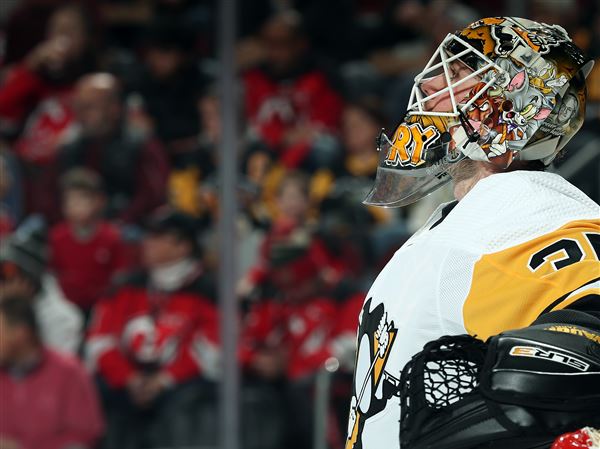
x,y
429,86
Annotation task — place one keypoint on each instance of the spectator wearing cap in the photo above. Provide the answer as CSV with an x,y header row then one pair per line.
x,y
132,164
86,251
48,399
23,259
289,102
156,335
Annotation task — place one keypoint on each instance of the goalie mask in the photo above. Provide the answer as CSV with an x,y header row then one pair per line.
x,y
502,89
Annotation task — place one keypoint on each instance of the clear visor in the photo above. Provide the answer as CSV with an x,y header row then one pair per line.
x,y
396,187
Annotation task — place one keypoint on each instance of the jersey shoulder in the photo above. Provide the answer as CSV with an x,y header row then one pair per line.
x,y
508,209
510,288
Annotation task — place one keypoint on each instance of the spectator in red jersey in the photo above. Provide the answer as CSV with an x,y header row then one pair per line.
x,y
155,338
289,102
86,251
290,329
132,164
49,70
288,342
35,98
48,399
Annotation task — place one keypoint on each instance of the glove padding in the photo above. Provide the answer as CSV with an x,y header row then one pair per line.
x,y
520,389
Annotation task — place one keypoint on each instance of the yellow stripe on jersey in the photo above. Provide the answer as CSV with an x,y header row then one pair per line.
x,y
511,288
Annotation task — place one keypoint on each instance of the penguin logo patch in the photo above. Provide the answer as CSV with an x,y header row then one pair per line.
x,y
373,386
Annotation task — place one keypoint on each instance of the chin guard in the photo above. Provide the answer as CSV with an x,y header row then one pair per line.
x,y
520,389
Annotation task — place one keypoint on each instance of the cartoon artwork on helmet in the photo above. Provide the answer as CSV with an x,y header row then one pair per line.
x,y
500,90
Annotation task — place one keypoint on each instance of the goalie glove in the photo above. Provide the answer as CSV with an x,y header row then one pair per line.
x,y
520,389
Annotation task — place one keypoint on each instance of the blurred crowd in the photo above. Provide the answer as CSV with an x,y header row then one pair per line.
x,y
110,131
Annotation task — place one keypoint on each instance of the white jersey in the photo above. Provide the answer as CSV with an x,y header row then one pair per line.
x,y
517,245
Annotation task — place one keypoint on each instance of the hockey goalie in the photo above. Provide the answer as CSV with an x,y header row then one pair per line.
x,y
498,101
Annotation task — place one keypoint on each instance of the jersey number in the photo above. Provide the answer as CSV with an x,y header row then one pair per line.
x,y
570,249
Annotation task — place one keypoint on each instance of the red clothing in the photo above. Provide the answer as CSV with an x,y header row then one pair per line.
x,y
21,91
275,107
7,223
84,268
310,327
135,329
314,260
346,322
44,112
310,332
303,330
52,407
45,130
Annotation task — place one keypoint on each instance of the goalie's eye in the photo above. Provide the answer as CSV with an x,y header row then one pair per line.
x,y
484,107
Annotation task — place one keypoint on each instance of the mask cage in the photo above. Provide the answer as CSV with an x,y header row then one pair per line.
x,y
452,49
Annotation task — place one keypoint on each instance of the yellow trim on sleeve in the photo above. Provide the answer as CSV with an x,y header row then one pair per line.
x,y
507,294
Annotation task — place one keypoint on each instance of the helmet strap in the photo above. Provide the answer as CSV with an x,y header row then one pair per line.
x,y
472,135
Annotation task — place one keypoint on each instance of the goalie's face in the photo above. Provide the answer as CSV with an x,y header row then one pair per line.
x,y
442,102
443,87
437,129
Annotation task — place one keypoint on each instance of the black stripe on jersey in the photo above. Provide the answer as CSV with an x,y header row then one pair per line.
x,y
593,299
588,303
445,211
